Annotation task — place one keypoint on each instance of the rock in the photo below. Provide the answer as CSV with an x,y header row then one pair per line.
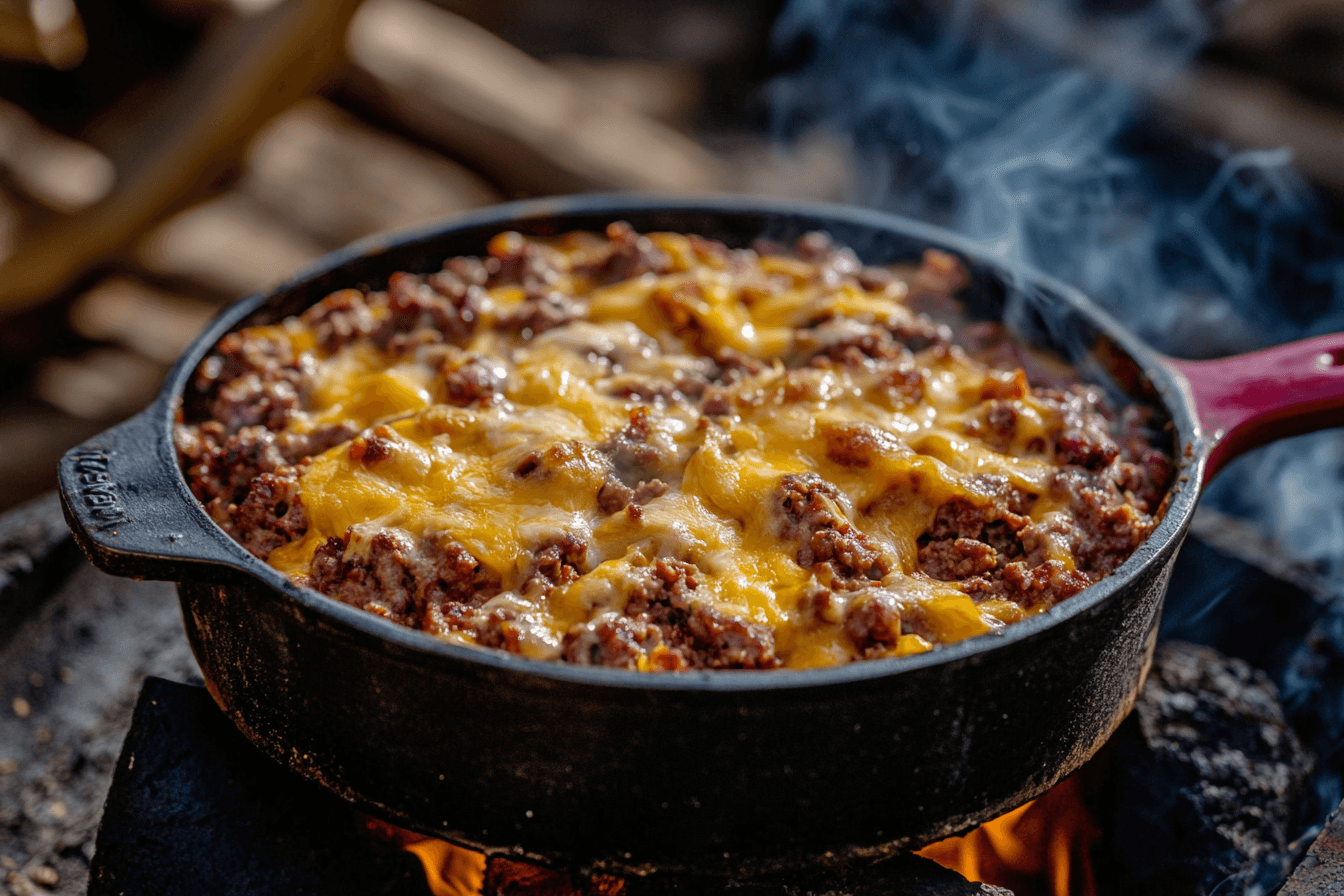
x,y
1208,778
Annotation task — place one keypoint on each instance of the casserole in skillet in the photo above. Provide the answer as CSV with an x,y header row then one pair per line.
x,y
612,768
655,452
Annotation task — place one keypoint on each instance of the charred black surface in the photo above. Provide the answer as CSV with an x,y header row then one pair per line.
x,y
905,875
1209,778
193,802
195,808
747,780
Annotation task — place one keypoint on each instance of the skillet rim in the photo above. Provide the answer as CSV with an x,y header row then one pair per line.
x,y
1190,449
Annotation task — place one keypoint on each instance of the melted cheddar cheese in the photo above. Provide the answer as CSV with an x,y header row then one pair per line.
x,y
664,416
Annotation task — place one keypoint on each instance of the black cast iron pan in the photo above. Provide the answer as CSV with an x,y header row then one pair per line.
x,y
734,771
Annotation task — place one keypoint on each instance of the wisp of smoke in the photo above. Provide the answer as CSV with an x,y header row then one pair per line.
x,y
960,120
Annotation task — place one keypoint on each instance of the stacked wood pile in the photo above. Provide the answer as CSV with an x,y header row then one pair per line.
x,y
197,150
288,128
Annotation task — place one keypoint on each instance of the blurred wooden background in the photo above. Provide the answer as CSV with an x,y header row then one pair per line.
x,y
159,158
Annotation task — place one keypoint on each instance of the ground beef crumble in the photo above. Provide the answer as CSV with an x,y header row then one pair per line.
x,y
670,627
271,515
243,458
431,583
812,515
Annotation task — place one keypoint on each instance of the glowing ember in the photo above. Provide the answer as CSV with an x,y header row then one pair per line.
x,y
1041,849
454,871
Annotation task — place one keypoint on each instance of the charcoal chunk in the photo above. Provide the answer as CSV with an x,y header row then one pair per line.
x,y
1207,776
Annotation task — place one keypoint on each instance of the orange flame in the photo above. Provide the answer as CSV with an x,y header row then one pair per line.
x,y
1041,849
450,870
455,871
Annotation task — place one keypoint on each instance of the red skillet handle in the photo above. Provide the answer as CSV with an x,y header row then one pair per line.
x,y
1248,400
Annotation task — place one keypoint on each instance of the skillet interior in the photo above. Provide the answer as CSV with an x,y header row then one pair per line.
x,y
734,770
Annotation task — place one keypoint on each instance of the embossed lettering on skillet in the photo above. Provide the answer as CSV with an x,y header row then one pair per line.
x,y
97,490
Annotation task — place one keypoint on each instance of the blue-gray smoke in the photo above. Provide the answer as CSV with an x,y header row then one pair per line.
x,y
967,123
956,118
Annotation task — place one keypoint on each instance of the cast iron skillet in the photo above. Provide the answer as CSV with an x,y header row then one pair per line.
x,y
734,771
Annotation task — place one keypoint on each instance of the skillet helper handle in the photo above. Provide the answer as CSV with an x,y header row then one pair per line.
x,y
1246,401
128,510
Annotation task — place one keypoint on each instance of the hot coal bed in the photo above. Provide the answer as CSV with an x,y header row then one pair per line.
x,y
118,773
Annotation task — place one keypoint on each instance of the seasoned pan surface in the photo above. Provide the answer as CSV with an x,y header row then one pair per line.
x,y
615,769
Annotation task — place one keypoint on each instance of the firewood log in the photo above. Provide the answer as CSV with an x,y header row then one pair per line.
x,y
336,179
520,120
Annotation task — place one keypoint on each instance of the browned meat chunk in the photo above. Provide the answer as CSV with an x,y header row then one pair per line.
x,y
940,275
1087,450
959,558
373,447
999,553
873,621
544,312
922,333
633,456
270,516
626,254
432,583
226,471
453,585
472,382
1006,388
1144,471
297,446
972,542
1049,583
558,562
237,354
616,495
999,428
616,641
340,318
811,513
666,622
726,642
1083,433
426,307
379,578
846,342
246,382
515,261
1110,527
251,400
903,385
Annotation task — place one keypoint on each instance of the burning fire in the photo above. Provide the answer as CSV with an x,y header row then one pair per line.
x,y
1041,849
1044,847
454,871
450,870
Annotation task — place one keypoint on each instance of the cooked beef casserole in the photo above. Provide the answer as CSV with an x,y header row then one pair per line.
x,y
655,452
